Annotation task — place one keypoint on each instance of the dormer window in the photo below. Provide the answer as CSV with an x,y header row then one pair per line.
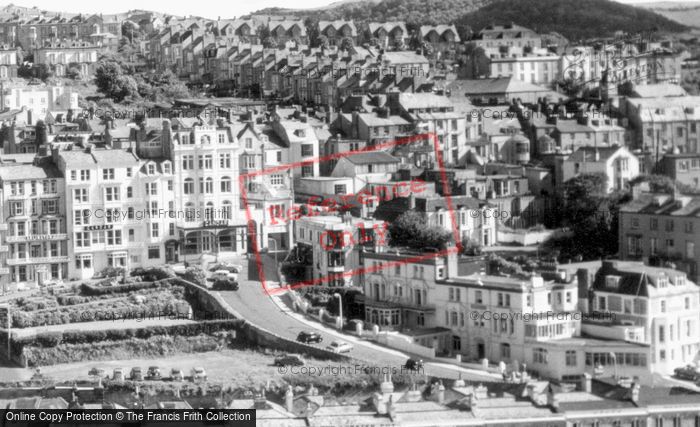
x,y
301,133
612,282
151,169
205,139
166,167
679,281
662,282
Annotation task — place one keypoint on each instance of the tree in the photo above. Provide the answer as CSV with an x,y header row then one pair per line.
x,y
347,44
410,229
323,42
196,275
73,72
470,247
657,183
592,214
41,133
113,83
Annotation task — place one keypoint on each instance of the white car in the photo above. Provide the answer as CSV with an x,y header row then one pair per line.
x,y
339,347
224,275
198,374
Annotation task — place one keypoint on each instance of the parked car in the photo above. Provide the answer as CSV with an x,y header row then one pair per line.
x,y
225,285
230,267
289,360
118,374
153,373
198,374
413,365
136,374
176,374
339,347
97,372
309,337
224,275
689,372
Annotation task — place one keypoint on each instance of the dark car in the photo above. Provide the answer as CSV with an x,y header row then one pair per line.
x,y
225,285
413,365
153,373
689,372
309,337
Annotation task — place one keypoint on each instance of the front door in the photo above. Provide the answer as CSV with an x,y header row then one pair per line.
x,y
170,254
206,242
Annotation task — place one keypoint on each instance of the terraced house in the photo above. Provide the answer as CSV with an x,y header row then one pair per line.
x,y
662,227
65,57
389,35
35,244
336,31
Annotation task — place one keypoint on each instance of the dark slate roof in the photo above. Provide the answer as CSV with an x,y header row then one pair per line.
x,y
372,158
635,277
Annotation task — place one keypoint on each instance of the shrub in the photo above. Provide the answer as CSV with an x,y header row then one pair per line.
x,y
195,275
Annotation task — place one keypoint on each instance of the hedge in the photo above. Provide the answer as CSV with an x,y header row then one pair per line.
x,y
125,349
51,339
134,307
92,290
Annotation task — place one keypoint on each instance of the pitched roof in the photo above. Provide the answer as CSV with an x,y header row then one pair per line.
x,y
387,26
372,158
337,25
658,90
412,101
498,85
439,29
588,154
21,172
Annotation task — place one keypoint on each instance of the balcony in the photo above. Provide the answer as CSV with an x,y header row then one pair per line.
x,y
36,237
335,268
395,302
37,260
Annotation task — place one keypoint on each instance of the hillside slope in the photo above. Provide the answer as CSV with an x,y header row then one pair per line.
x,y
574,19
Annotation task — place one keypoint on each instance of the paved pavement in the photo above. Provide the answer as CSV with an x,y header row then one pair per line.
x,y
256,306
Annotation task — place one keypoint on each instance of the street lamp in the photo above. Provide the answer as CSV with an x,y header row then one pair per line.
x,y
340,308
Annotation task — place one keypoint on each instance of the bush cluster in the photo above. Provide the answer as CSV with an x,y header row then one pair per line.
x,y
151,304
52,339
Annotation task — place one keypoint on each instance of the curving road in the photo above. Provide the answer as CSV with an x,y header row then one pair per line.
x,y
258,308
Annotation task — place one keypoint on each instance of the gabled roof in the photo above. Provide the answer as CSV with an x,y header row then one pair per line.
x,y
588,154
338,25
439,29
387,26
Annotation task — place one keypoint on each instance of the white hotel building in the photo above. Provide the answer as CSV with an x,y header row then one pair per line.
x,y
34,243
81,208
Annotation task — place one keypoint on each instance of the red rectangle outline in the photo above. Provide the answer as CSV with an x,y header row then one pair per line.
x,y
401,141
